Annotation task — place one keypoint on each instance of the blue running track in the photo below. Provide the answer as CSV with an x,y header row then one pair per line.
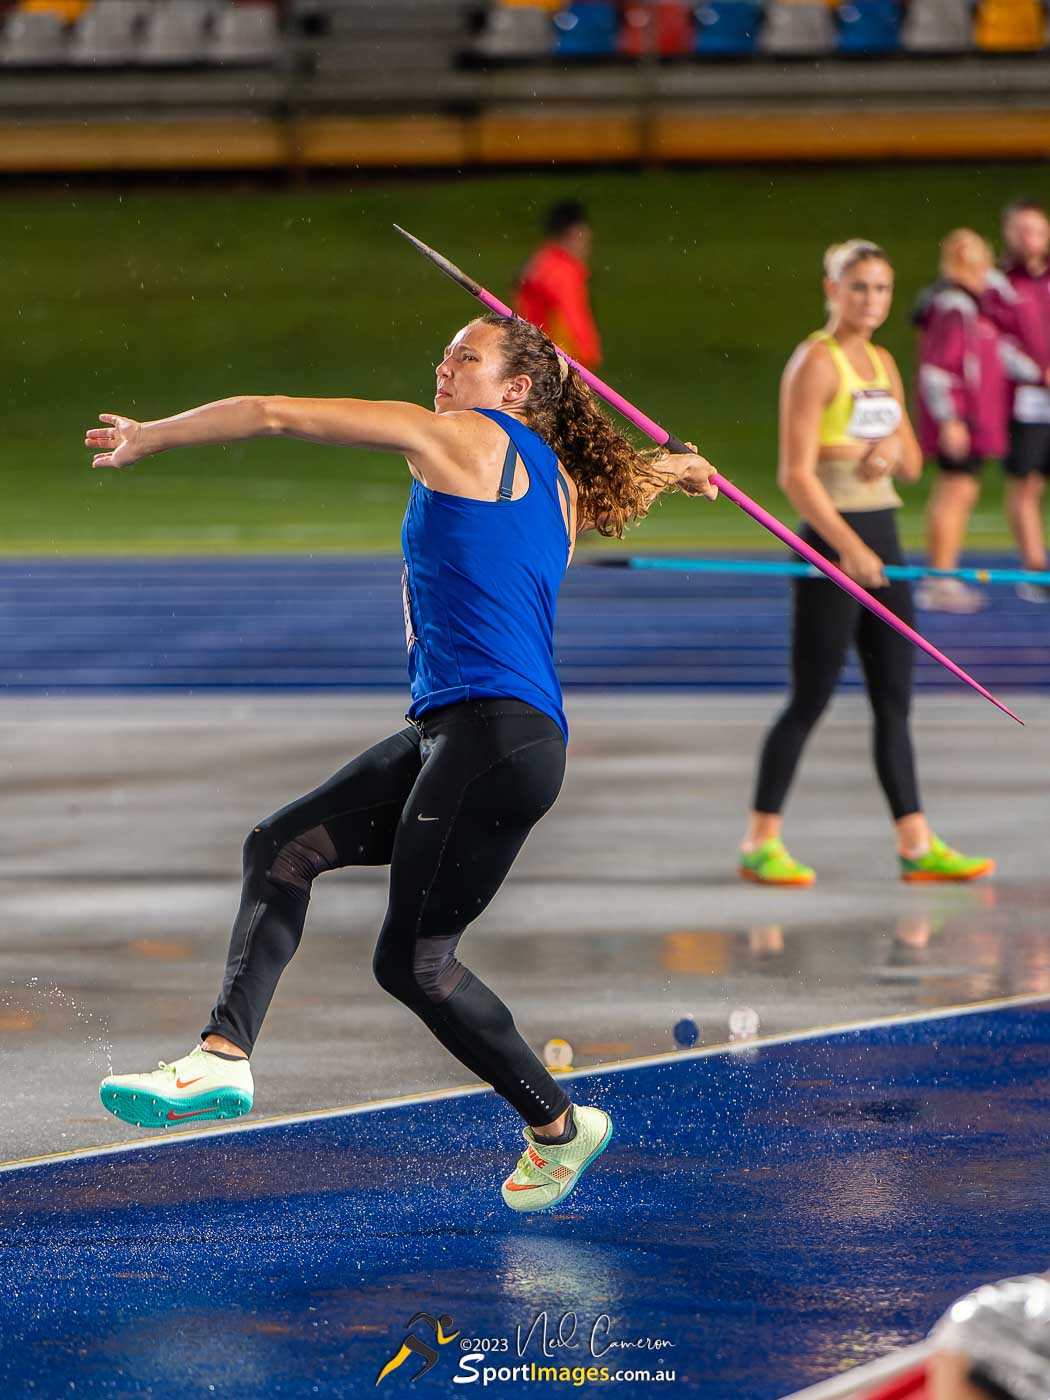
x,y
82,626
775,1212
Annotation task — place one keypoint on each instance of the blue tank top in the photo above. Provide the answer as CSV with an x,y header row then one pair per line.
x,y
480,584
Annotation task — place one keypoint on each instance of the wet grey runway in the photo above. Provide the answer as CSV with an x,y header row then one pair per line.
x,y
123,819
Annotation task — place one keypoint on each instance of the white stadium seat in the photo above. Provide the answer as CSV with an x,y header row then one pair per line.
x,y
107,33
517,31
932,26
33,38
177,32
245,34
796,27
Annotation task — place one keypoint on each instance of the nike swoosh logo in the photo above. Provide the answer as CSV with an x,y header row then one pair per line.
x,y
185,1083
428,819
510,1185
174,1117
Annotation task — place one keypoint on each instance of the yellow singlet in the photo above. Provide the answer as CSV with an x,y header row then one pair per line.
x,y
863,410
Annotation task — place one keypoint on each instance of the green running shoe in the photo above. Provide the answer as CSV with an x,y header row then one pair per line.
x,y
547,1172
195,1089
942,863
772,864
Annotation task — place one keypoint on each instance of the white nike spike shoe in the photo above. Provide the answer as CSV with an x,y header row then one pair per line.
x,y
196,1089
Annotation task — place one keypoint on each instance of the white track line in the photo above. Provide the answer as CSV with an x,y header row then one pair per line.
x,y
467,1091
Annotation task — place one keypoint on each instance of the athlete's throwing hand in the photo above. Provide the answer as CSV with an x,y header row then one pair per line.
x,y
119,445
695,475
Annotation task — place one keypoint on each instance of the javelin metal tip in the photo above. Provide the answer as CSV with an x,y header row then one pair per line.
x,y
448,268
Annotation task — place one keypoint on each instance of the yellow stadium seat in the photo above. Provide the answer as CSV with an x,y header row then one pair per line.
x,y
551,5
68,10
1010,26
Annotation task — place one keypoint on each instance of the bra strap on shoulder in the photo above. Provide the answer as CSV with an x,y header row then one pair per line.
x,y
506,485
563,486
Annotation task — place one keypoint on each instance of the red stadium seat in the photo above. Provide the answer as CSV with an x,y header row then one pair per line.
x,y
665,27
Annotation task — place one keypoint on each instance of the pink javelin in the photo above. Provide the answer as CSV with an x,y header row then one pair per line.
x,y
663,438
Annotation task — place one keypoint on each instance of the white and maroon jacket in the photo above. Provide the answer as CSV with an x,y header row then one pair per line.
x,y
967,369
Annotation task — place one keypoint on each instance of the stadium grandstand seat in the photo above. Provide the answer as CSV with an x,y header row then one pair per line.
x,y
798,27
727,28
68,11
587,29
108,33
516,31
245,34
869,26
33,39
1010,26
664,27
938,26
176,32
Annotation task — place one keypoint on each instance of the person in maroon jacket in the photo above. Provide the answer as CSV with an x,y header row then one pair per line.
x,y
552,290
1026,239
966,367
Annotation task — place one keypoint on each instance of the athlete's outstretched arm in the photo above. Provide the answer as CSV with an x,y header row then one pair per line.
x,y
386,427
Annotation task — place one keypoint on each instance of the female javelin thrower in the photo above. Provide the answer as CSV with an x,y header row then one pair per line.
x,y
515,461
844,435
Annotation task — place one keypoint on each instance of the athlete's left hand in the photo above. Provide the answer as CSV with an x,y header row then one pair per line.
x,y
883,458
695,475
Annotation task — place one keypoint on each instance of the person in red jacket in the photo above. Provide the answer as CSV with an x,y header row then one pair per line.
x,y
1026,239
552,290
966,367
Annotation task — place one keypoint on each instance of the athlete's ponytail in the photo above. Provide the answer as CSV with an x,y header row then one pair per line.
x,y
616,483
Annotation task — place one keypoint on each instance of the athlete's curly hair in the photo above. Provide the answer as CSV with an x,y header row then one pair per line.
x,y
617,484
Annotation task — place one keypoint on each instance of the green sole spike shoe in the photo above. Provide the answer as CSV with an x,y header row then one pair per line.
x,y
199,1088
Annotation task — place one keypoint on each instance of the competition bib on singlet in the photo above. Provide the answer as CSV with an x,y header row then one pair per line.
x,y
1032,404
876,414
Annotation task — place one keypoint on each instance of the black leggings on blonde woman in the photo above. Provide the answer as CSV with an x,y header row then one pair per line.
x,y
447,803
826,623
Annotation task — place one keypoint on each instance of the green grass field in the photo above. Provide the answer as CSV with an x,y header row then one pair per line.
x,y
147,303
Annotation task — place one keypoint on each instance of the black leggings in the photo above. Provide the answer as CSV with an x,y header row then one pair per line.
x,y
825,621
447,803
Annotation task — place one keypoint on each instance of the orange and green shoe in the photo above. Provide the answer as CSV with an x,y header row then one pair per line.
x,y
547,1171
942,863
772,864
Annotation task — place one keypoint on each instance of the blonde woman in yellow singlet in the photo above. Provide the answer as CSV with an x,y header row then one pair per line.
x,y
845,438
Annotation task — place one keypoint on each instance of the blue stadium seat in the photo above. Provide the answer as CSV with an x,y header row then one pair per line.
x,y
869,26
728,27
587,29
